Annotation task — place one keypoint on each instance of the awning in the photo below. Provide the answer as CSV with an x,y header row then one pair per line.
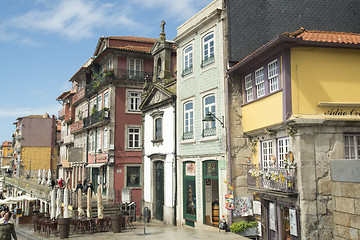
x,y
95,165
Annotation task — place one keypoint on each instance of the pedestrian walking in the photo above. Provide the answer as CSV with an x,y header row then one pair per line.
x,y
79,186
53,184
61,183
7,228
85,185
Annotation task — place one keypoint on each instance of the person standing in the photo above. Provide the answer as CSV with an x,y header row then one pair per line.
x,y
7,228
79,186
61,183
53,184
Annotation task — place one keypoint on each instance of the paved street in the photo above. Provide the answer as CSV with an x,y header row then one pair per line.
x,y
153,230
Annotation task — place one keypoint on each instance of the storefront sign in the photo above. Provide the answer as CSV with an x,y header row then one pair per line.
x,y
293,223
343,112
229,201
257,207
272,215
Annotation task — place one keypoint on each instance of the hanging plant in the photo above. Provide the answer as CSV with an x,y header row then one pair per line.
x,y
270,132
253,145
290,131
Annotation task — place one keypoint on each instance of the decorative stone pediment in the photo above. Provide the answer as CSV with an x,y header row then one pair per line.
x,y
157,96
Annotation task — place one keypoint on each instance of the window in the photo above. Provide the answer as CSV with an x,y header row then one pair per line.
x,y
266,153
98,139
188,120
248,88
134,67
134,137
133,176
259,81
8,154
134,100
273,76
105,138
8,149
107,66
352,146
208,49
283,149
188,60
158,128
209,106
106,100
99,103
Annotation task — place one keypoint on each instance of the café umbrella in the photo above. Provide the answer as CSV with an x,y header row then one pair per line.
x,y
53,204
66,203
100,204
58,204
88,209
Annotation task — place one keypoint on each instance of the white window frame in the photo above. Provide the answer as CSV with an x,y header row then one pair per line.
x,y
208,49
266,153
188,57
135,67
155,129
209,107
188,117
283,148
352,146
98,140
105,138
106,99
130,134
273,76
259,82
133,101
99,103
249,88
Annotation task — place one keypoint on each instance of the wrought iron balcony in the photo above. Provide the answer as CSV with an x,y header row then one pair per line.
x,y
207,132
97,118
208,61
187,71
117,75
272,179
188,135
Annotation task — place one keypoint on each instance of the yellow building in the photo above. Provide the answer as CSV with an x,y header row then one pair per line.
x,y
297,98
7,153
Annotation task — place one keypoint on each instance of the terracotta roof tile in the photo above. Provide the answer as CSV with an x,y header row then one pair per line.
x,y
7,144
312,36
135,39
134,48
323,36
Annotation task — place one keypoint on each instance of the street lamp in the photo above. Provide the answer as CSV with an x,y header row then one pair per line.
x,y
209,117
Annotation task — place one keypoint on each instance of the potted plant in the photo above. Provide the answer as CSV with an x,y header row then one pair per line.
x,y
244,228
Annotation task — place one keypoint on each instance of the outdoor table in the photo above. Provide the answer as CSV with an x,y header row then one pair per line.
x,y
87,224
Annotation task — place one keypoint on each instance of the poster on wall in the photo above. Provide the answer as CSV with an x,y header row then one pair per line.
x,y
229,201
257,207
258,229
272,215
242,207
293,224
190,169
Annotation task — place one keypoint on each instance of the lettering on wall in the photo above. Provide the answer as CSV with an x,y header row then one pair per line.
x,y
342,112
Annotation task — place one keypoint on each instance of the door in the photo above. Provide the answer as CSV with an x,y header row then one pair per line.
x,y
159,190
94,179
211,193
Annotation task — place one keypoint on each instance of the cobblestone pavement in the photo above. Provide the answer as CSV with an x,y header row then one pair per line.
x,y
154,230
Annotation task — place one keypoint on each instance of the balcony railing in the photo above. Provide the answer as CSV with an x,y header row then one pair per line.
x,y
188,135
117,75
76,126
207,132
187,71
97,118
207,61
79,95
275,179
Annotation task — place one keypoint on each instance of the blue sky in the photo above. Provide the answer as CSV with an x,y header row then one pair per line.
x,y
43,43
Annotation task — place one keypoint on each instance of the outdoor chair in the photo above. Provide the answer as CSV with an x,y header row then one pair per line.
x,y
51,228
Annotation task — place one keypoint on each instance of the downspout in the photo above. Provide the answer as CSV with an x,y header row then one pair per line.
x,y
228,134
175,159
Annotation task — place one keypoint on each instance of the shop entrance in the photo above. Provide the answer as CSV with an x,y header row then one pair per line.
x,y
211,193
189,197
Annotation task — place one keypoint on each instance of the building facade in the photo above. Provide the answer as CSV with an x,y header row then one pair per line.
x,y
7,154
159,149
300,111
202,154
34,145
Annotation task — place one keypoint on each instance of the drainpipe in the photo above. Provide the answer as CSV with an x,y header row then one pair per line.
x,y
175,159
228,134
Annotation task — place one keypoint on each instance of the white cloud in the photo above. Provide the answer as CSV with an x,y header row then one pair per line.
x,y
75,19
25,111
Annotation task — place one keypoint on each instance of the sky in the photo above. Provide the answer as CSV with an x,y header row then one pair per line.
x,y
43,43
